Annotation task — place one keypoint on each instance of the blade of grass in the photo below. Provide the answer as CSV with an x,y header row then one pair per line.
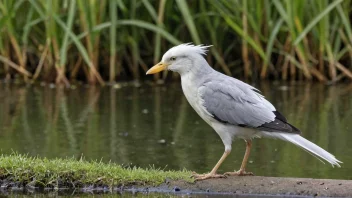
x,y
15,66
157,42
346,22
269,47
80,47
244,43
137,23
151,10
239,30
314,21
113,18
63,49
346,71
182,4
69,23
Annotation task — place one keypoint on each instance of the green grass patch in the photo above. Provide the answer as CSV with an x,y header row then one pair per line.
x,y
21,170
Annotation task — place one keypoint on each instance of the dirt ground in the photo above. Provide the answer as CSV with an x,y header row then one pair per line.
x,y
268,186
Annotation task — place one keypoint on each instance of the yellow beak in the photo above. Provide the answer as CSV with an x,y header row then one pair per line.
x,y
157,68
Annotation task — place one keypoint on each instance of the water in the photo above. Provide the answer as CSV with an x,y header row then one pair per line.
x,y
156,126
129,195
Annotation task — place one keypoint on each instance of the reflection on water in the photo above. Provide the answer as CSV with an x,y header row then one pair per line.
x,y
133,195
156,126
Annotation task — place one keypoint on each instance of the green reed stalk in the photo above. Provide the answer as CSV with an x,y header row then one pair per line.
x,y
9,9
157,42
245,43
64,45
113,17
185,11
91,13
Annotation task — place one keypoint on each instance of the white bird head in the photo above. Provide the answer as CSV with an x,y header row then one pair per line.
x,y
180,58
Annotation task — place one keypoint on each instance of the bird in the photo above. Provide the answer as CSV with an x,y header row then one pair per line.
x,y
233,108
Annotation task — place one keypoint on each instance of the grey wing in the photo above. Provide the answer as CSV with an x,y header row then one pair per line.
x,y
235,102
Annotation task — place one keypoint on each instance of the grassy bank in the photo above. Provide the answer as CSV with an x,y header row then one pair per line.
x,y
19,171
25,172
98,41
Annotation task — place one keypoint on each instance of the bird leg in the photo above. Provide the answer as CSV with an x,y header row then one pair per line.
x,y
242,171
212,173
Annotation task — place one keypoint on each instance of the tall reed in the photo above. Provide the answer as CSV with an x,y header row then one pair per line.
x,y
111,40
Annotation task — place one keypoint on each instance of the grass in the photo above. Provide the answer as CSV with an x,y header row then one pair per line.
x,y
112,40
70,173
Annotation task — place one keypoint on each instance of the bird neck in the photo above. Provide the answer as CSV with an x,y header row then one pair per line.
x,y
198,69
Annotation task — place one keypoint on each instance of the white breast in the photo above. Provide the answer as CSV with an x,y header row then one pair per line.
x,y
190,89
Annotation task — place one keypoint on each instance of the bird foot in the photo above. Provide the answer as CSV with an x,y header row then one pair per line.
x,y
239,173
199,177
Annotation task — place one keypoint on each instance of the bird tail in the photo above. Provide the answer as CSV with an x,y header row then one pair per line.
x,y
310,147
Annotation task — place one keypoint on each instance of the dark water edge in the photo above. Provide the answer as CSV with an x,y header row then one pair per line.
x,y
245,186
136,192
129,194
154,125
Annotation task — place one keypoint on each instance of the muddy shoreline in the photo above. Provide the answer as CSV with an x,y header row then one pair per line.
x,y
255,185
270,186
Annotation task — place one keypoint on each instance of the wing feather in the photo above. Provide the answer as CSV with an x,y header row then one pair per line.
x,y
235,102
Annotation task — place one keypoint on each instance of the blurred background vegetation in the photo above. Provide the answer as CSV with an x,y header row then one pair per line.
x,y
94,41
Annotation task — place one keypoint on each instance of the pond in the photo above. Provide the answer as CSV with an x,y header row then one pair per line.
x,y
155,126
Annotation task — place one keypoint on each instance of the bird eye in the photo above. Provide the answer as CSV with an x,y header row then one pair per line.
x,y
173,58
